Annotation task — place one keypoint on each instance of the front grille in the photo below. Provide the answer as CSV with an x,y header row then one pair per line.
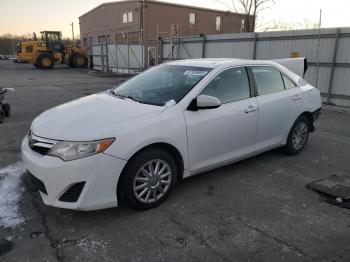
x,y
73,193
37,184
39,144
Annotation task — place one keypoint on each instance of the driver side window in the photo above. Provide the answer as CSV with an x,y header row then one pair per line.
x,y
229,86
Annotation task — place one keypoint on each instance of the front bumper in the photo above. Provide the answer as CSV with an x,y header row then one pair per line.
x,y
99,172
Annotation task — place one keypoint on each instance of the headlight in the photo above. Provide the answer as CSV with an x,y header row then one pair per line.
x,y
68,151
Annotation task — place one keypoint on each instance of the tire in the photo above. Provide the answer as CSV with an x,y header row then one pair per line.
x,y
36,65
45,61
298,136
133,178
78,60
7,109
2,115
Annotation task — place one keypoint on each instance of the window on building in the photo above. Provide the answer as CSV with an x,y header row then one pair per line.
x,y
125,18
129,17
219,23
242,25
192,19
85,41
103,39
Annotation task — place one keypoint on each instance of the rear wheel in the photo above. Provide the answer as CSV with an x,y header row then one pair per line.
x,y
7,109
298,136
45,61
148,179
78,60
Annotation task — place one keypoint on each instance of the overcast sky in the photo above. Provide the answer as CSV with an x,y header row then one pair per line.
x,y
26,16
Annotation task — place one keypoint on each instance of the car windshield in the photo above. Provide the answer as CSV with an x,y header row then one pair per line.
x,y
162,84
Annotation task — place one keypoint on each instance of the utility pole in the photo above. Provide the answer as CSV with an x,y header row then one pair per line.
x,y
73,33
13,46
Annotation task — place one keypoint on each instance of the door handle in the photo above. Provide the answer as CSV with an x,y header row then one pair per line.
x,y
251,108
296,97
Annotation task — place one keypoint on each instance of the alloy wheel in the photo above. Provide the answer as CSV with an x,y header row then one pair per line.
x,y
299,135
152,181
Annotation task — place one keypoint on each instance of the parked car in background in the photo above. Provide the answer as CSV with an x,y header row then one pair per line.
x,y
134,142
18,60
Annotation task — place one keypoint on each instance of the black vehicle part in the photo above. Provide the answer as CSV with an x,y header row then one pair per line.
x,y
73,193
37,184
2,115
7,109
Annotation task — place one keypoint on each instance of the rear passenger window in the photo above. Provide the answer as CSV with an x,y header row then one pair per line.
x,y
268,80
229,86
288,83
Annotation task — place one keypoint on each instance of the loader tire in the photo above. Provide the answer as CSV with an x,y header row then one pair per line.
x,y
78,60
45,61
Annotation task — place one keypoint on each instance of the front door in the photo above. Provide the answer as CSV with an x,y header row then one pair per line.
x,y
216,136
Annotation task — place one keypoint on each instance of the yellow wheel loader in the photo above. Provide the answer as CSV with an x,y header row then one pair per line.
x,y
50,50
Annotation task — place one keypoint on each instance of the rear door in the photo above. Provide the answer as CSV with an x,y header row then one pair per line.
x,y
278,99
219,135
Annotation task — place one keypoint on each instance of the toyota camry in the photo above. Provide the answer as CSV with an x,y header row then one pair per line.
x,y
133,143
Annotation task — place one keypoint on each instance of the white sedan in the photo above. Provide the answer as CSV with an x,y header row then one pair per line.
x,y
133,143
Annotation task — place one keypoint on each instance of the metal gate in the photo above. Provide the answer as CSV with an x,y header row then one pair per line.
x,y
117,58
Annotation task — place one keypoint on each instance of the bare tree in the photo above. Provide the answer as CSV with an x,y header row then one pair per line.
x,y
250,9
282,26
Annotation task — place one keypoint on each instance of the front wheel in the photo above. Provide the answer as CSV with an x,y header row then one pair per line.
x,y
298,136
148,179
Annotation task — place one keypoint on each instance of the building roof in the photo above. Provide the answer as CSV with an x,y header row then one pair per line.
x,y
163,3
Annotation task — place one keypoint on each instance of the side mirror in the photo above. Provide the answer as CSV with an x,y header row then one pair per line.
x,y
204,102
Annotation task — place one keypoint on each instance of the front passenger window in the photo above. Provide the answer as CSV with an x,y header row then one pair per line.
x,y
267,79
229,86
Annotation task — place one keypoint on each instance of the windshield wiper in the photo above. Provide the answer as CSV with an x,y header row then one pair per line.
x,y
124,96
133,99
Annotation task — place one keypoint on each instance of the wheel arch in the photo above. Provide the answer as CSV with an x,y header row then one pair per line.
x,y
309,116
159,145
170,149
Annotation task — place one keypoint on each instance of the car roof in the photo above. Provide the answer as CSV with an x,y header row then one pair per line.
x,y
215,62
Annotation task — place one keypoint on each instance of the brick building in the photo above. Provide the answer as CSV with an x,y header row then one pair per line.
x,y
137,21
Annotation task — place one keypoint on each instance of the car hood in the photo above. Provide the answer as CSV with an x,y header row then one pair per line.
x,y
90,118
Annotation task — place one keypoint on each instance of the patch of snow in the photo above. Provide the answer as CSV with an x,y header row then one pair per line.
x,y
10,194
87,244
